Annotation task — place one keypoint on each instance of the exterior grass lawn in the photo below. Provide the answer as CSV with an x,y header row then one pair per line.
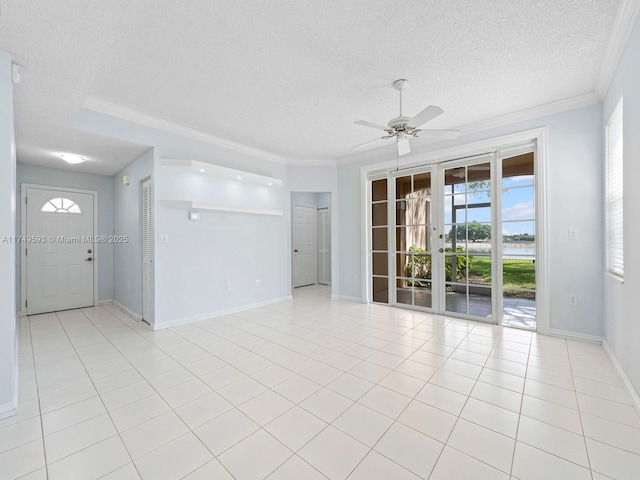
x,y
517,273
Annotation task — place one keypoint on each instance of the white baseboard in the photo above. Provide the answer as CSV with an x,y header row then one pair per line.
x,y
623,376
137,317
105,302
218,313
581,337
346,297
8,409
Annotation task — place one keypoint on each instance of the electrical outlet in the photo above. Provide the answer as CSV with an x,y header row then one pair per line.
x,y
228,285
353,278
573,299
573,234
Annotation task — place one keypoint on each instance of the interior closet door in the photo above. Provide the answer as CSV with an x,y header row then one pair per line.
x,y
147,251
324,247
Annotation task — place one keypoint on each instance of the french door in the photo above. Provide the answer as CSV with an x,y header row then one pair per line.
x,y
458,238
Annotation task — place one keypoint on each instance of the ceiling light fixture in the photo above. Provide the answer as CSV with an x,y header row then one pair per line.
x,y
202,170
239,178
269,183
72,158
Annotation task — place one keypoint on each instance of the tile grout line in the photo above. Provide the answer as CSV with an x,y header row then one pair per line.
x,y
524,384
35,374
584,436
157,393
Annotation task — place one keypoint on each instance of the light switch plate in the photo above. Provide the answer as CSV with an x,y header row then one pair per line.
x,y
163,237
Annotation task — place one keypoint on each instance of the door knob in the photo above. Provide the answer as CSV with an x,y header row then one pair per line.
x,y
441,250
89,259
89,251
296,250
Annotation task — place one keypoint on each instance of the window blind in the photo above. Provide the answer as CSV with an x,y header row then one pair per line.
x,y
614,193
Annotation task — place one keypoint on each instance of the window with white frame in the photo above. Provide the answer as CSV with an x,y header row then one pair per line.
x,y
614,193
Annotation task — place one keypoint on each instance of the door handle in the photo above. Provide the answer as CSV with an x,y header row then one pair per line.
x,y
89,259
441,250
296,250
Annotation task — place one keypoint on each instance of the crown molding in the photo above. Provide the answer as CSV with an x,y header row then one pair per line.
x,y
621,30
495,122
128,114
531,113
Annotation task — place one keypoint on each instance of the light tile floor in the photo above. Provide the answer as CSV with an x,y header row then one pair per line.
x,y
310,389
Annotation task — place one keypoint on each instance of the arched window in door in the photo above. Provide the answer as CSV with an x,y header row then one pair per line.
x,y
60,205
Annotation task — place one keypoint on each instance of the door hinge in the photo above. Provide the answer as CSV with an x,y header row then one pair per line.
x,y
25,200
26,303
25,252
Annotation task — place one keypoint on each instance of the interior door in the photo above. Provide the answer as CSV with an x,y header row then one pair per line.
x,y
324,247
60,250
304,246
147,251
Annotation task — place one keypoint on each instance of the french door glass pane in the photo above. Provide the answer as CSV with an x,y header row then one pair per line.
x,y
518,241
413,239
380,264
467,248
379,242
381,289
380,239
379,190
379,214
456,298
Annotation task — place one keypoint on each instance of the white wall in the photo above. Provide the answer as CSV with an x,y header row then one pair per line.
x,y
201,256
8,319
304,198
621,322
104,186
574,163
127,213
191,270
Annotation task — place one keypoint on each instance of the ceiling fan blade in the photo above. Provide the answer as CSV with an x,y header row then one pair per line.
x,y
370,141
404,146
439,134
425,116
364,123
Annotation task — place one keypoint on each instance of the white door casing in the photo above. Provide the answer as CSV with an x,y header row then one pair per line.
x,y
59,250
324,246
304,246
147,251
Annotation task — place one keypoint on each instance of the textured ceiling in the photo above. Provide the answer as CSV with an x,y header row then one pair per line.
x,y
59,46
291,77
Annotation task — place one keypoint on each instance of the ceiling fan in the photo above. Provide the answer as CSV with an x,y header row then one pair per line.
x,y
402,127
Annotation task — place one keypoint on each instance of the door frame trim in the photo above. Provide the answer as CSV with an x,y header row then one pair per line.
x,y
23,232
490,145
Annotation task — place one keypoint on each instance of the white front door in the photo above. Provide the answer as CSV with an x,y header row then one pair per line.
x,y
60,250
304,246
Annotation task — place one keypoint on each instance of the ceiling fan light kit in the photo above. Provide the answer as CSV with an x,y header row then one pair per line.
x,y
403,127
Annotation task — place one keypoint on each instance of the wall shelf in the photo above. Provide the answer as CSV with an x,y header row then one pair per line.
x,y
191,205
